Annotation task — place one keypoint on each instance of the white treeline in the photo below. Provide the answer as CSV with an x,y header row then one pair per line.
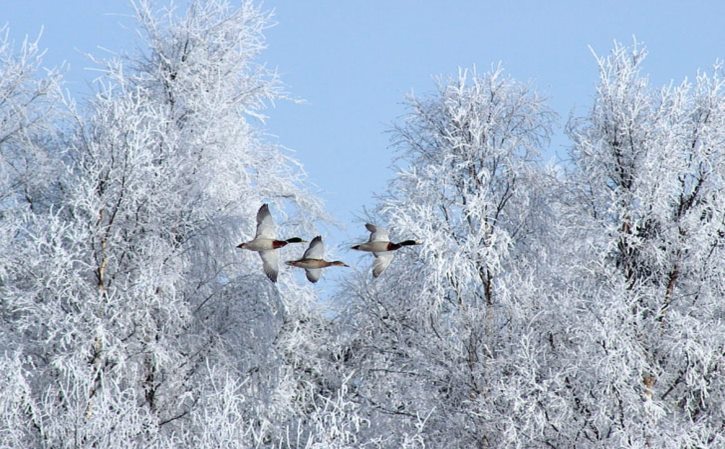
x,y
127,316
578,306
572,308
441,337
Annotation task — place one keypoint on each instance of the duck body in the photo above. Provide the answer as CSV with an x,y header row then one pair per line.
x,y
313,264
312,260
382,248
379,246
266,243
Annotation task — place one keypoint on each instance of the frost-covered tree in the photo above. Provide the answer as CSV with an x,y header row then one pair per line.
x,y
573,309
437,338
28,108
28,114
645,343
28,103
128,317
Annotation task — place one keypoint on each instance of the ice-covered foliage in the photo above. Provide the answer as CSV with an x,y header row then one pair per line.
x,y
28,107
646,226
576,307
573,308
128,317
444,334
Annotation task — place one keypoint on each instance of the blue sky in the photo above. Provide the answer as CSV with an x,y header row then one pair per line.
x,y
353,62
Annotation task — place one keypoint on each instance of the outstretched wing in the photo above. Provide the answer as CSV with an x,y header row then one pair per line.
x,y
313,274
377,234
265,224
382,260
270,263
316,250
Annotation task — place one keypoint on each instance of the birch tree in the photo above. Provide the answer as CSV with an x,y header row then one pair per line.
x,y
648,233
437,335
129,319
28,107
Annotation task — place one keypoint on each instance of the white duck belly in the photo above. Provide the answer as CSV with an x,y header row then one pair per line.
x,y
259,244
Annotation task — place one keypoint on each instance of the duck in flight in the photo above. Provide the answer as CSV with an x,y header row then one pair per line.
x,y
312,261
380,245
266,244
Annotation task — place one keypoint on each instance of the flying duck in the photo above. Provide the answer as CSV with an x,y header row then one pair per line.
x,y
380,245
312,260
266,244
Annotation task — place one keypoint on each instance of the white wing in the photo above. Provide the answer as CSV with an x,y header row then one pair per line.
x,y
316,250
265,224
270,263
377,234
382,260
313,274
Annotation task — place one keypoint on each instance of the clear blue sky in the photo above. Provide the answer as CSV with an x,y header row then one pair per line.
x,y
353,62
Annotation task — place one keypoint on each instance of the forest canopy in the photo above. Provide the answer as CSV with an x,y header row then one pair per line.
x,y
577,305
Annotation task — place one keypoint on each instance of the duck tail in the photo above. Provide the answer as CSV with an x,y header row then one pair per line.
x,y
409,243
